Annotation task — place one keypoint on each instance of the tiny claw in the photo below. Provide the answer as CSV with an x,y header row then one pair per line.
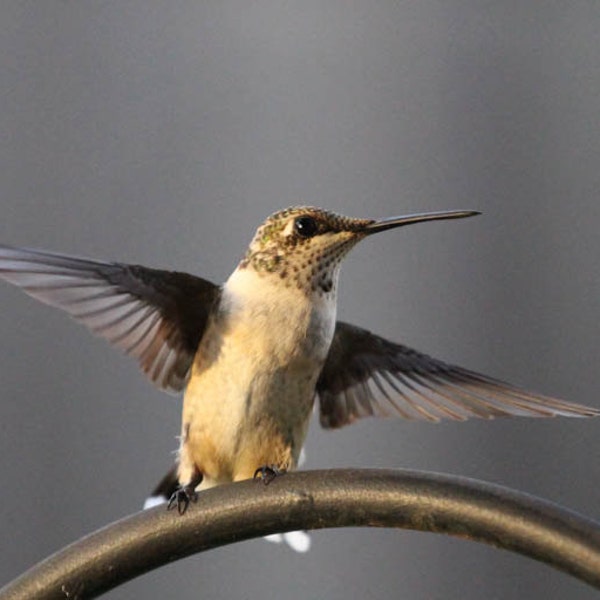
x,y
267,473
182,498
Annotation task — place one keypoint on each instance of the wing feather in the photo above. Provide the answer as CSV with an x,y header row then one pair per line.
x,y
156,316
365,375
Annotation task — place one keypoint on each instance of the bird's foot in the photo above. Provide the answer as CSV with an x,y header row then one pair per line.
x,y
267,473
182,497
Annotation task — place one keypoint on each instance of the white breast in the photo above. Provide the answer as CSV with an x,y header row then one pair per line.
x,y
278,322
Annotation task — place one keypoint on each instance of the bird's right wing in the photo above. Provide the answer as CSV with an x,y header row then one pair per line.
x,y
365,374
156,316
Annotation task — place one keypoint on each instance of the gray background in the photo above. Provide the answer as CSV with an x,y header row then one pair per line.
x,y
164,132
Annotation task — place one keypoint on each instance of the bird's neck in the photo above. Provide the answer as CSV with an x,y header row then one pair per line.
x,y
280,314
248,286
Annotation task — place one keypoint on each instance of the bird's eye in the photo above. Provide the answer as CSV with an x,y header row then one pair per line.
x,y
305,227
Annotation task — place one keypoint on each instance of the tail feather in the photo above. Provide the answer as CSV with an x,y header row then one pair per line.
x,y
164,490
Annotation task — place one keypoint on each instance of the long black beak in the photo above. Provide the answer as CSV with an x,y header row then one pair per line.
x,y
392,222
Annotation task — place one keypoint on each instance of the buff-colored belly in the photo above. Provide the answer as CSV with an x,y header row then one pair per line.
x,y
249,399
239,416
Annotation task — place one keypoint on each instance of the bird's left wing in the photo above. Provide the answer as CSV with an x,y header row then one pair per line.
x,y
156,316
366,375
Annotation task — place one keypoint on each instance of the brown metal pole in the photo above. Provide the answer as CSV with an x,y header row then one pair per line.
x,y
312,500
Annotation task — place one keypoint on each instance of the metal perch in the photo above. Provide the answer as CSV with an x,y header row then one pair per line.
x,y
313,500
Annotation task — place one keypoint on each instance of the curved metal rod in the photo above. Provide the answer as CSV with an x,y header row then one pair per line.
x,y
312,500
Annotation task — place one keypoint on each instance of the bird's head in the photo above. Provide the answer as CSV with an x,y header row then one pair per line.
x,y
304,245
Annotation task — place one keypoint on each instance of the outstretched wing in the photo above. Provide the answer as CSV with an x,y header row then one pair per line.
x,y
156,316
365,375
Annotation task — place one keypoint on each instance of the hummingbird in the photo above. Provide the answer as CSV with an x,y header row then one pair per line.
x,y
255,354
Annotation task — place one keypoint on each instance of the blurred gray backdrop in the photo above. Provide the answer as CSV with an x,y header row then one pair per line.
x,y
163,133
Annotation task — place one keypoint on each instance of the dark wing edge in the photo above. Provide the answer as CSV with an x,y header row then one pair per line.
x,y
366,375
155,316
